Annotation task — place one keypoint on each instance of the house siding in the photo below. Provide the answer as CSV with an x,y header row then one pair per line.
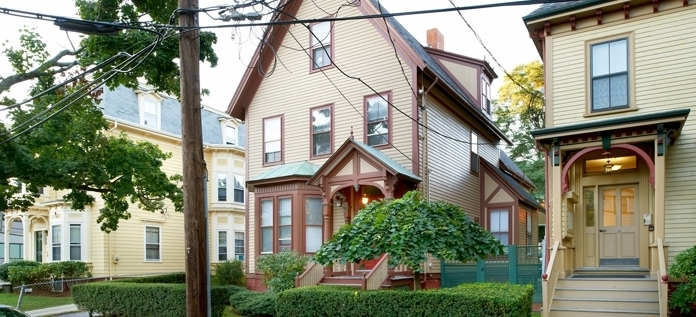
x,y
292,92
664,79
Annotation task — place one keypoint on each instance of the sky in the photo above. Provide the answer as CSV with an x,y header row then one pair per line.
x,y
500,29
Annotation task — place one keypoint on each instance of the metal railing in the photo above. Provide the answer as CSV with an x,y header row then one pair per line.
x,y
662,279
311,276
378,275
550,277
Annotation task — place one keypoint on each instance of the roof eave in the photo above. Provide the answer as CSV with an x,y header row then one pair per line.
x,y
578,5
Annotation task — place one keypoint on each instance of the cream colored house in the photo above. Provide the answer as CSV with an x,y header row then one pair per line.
x,y
147,242
322,143
619,90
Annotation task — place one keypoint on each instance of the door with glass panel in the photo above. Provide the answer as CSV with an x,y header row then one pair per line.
x,y
618,226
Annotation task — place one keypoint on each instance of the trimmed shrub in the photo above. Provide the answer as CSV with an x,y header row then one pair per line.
x,y
234,289
683,299
479,299
280,269
254,304
69,269
171,278
229,273
137,300
5,268
29,274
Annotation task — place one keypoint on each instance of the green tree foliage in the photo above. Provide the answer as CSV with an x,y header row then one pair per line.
x,y
520,110
408,229
229,273
71,151
684,270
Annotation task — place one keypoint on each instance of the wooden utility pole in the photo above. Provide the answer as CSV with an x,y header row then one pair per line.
x,y
193,162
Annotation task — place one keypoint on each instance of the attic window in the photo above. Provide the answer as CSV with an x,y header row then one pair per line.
x,y
321,36
150,111
485,96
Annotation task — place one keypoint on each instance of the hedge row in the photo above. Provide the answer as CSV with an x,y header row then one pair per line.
x,y
171,278
254,304
480,299
138,300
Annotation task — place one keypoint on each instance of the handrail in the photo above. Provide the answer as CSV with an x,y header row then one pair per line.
x,y
311,276
662,285
553,272
374,279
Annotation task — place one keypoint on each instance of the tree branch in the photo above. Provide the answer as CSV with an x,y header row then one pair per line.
x,y
42,70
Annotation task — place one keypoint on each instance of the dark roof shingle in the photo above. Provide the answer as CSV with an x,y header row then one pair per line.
x,y
548,9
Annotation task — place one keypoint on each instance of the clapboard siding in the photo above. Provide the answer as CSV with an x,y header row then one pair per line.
x,y
664,72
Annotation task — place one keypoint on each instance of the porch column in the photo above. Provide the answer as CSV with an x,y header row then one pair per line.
x,y
326,225
556,212
8,223
660,193
26,238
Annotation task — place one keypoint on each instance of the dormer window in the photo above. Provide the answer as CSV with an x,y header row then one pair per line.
x,y
485,96
150,110
230,134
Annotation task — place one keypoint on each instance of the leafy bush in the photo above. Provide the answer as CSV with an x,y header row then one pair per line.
x,y
280,269
137,300
480,299
28,274
5,268
229,273
234,289
69,269
254,304
684,269
171,278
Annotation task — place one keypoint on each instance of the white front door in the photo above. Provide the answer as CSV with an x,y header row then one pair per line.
x,y
618,226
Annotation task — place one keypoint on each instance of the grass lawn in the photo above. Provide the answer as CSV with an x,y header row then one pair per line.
x,y
536,314
31,302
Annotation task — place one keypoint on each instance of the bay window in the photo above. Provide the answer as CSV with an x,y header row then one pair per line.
x,y
56,239
284,224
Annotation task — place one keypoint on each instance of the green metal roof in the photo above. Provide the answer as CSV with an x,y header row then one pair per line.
x,y
386,160
549,9
303,168
609,123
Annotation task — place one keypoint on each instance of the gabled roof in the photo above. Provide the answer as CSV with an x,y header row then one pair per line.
x,y
521,193
510,166
253,76
549,9
347,148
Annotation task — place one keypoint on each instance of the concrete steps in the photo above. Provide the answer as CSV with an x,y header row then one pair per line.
x,y
606,296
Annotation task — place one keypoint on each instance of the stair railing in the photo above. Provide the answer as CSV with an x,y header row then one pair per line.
x,y
662,285
552,272
377,276
311,276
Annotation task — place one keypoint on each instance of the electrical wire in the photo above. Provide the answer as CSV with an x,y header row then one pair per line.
x,y
391,39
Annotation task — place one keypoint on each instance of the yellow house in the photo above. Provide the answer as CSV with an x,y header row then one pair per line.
x,y
147,243
362,111
619,89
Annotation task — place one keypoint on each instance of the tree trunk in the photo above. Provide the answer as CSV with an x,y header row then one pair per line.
x,y
416,281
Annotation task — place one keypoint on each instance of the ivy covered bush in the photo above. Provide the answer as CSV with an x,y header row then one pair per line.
x,y
479,299
280,269
683,298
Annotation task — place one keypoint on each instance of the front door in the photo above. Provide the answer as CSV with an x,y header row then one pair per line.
x,y
618,226
39,242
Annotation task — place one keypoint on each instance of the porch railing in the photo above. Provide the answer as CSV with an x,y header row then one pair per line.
x,y
378,275
311,276
550,277
662,279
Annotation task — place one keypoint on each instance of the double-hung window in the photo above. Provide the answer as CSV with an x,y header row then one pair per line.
x,y
321,44
500,226
149,112
313,221
529,229
378,116
267,226
238,188
321,131
222,246
152,244
222,186
474,152
230,134
485,97
75,242
284,224
609,69
239,246
272,140
56,240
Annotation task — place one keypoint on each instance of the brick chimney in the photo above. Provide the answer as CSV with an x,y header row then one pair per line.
x,y
435,39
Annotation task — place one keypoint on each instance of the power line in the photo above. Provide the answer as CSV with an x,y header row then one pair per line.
x,y
403,71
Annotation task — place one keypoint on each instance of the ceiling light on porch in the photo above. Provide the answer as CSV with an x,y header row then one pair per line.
x,y
609,166
365,200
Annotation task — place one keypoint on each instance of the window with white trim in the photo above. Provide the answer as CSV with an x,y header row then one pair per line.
x,y
313,221
239,246
55,242
321,44
150,111
500,226
272,139
230,134
222,246
237,187
152,244
75,242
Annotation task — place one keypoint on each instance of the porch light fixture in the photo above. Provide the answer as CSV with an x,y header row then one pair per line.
x,y
365,200
339,199
609,167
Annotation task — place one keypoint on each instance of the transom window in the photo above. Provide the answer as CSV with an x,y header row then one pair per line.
x,y
500,226
321,131
377,113
272,147
321,44
609,75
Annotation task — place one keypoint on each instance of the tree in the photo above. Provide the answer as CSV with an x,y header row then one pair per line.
x,y
70,150
408,229
520,110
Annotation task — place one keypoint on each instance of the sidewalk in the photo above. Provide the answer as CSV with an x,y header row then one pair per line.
x,y
55,311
